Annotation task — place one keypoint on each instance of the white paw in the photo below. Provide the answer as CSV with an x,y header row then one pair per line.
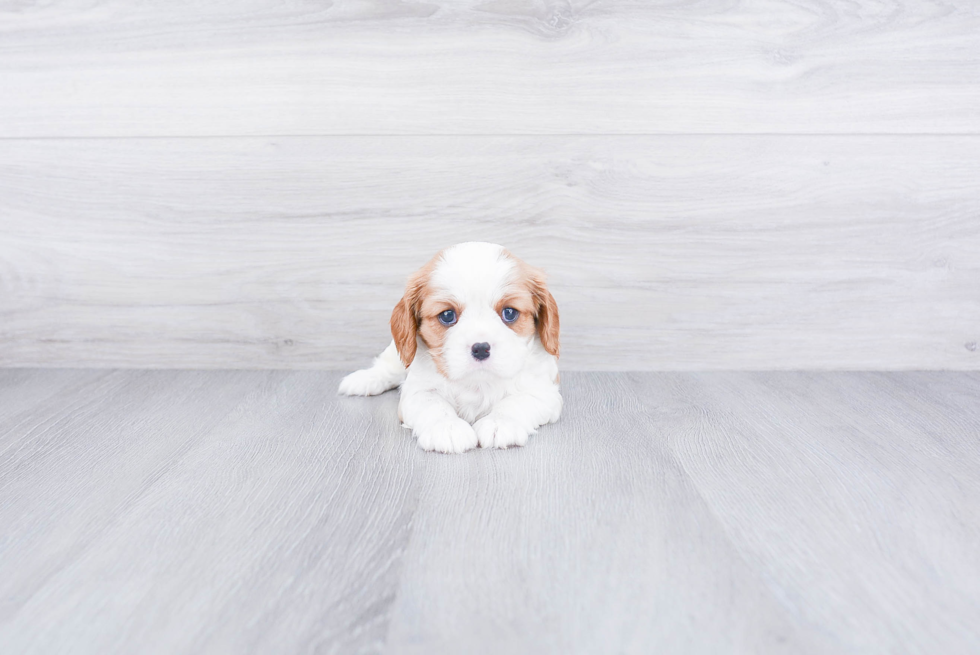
x,y
449,436
365,382
495,431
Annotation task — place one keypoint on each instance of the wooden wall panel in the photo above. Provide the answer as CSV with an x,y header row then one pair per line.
x,y
665,252
758,184
261,67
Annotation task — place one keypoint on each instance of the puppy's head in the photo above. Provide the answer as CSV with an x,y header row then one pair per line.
x,y
478,310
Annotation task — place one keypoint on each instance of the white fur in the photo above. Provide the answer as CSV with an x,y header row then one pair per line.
x,y
495,403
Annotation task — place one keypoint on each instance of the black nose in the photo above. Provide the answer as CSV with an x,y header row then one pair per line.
x,y
480,350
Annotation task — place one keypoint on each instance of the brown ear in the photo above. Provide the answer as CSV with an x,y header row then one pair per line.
x,y
547,315
405,319
404,328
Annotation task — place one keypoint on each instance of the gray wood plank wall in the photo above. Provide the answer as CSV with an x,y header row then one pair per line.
x,y
757,185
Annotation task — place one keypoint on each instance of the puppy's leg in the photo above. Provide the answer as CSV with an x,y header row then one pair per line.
x,y
514,418
435,423
385,373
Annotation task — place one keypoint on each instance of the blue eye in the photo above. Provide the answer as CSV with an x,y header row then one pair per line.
x,y
509,314
448,317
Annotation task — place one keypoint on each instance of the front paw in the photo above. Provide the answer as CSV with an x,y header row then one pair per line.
x,y
363,383
496,431
450,436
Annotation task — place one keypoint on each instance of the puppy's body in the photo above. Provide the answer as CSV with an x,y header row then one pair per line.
x,y
475,351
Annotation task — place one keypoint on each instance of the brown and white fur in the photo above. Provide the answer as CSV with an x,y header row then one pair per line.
x,y
489,378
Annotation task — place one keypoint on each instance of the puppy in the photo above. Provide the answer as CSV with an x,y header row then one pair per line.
x,y
475,350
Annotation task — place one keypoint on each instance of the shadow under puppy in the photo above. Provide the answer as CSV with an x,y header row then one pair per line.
x,y
475,350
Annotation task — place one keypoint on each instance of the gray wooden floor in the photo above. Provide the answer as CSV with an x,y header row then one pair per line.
x,y
237,511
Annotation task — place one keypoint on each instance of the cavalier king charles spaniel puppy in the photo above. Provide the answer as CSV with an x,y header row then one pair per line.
x,y
475,351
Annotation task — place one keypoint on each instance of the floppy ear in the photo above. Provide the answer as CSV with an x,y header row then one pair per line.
x,y
546,318
404,328
405,320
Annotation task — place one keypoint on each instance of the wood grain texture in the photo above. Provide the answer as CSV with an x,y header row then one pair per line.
x,y
226,511
488,67
130,500
682,252
825,453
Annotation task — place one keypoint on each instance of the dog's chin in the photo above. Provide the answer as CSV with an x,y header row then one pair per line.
x,y
485,371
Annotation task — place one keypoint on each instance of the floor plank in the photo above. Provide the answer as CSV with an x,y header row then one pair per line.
x,y
555,67
591,539
216,511
854,462
665,253
284,524
23,389
77,461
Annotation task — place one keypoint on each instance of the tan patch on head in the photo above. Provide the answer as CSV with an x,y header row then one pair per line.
x,y
405,315
519,297
433,332
540,304
416,316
